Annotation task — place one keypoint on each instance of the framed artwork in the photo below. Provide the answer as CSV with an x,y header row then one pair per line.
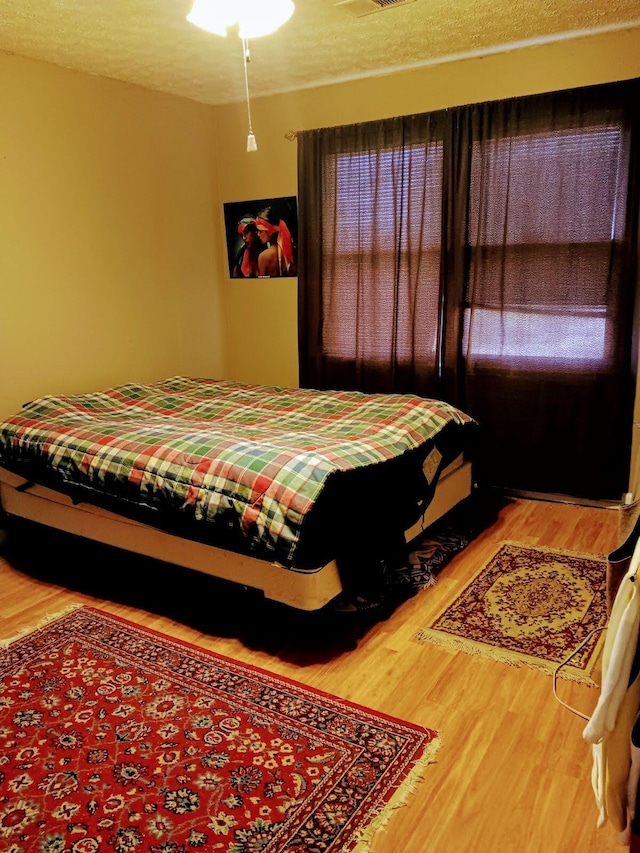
x,y
262,237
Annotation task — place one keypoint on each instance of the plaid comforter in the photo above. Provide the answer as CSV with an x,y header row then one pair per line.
x,y
253,457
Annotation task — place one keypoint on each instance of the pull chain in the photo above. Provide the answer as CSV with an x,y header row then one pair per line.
x,y
252,145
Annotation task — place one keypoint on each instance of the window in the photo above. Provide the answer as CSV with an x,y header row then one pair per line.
x,y
385,229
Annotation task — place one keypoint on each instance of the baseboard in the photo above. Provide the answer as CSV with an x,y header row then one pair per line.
x,y
555,498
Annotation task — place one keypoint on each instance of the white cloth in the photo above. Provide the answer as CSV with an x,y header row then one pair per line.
x,y
623,648
609,728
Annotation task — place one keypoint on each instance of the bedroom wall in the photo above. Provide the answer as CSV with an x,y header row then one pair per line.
x,y
113,263
107,269
260,318
261,340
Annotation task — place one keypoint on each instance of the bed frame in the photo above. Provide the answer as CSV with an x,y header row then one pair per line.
x,y
305,590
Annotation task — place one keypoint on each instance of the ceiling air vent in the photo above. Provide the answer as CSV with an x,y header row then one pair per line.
x,y
358,8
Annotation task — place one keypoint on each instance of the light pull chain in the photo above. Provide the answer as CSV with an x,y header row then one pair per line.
x,y
252,145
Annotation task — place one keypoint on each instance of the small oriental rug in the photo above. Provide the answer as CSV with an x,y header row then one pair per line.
x,y
116,738
530,606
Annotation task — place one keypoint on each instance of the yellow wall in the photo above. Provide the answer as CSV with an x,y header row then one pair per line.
x,y
261,337
112,261
107,207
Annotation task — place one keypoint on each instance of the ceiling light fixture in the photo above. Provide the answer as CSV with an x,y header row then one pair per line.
x,y
254,18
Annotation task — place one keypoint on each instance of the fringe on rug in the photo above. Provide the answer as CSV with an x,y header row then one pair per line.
x,y
548,549
426,635
427,574
429,554
398,799
46,619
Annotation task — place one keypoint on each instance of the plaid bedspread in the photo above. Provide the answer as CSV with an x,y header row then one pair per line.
x,y
257,457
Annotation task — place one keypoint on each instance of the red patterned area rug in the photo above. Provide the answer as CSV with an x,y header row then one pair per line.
x,y
530,606
114,737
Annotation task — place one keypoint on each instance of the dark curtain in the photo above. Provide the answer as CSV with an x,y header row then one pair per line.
x,y
486,255
369,261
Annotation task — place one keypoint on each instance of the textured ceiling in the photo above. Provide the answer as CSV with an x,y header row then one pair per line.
x,y
149,42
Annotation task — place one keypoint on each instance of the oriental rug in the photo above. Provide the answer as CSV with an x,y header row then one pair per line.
x,y
117,738
530,606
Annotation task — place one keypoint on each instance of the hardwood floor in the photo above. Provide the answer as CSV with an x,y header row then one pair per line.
x,y
512,772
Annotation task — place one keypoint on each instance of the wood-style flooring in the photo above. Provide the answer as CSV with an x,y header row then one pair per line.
x,y
512,773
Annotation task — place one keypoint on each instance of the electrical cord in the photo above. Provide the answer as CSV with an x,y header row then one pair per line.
x,y
564,663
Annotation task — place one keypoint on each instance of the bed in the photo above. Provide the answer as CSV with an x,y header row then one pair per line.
x,y
300,494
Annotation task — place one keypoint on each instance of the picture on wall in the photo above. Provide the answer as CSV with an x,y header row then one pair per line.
x,y
262,237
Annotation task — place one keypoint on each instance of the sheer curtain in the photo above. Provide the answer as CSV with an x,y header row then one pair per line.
x,y
370,259
548,301
486,255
